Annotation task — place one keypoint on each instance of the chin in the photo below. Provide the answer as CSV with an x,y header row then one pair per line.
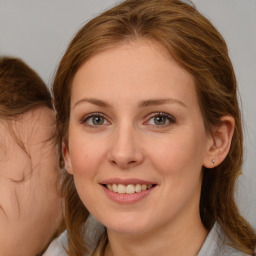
x,y
127,226
127,230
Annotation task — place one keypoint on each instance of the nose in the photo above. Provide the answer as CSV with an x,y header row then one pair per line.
x,y
125,150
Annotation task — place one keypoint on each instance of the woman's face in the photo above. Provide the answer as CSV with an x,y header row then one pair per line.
x,y
30,208
135,124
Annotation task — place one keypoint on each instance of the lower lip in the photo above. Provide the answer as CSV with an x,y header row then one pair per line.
x,y
127,198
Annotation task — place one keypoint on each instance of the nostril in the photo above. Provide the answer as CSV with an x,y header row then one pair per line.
x,y
124,164
113,162
131,162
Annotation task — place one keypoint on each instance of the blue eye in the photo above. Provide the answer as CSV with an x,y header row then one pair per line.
x,y
161,119
94,119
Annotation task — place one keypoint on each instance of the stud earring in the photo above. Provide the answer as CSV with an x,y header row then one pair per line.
x,y
213,161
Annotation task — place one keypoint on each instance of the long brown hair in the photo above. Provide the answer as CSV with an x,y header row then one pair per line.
x,y
22,90
194,43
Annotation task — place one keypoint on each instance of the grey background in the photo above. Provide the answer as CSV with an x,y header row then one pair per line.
x,y
38,31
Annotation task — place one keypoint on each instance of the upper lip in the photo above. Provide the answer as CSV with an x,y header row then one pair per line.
x,y
126,181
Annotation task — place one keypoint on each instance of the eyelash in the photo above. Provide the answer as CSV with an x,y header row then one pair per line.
x,y
91,115
169,118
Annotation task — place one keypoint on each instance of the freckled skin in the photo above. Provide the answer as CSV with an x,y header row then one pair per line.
x,y
30,207
129,144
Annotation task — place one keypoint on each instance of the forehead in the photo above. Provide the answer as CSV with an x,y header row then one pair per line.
x,y
22,138
32,127
133,69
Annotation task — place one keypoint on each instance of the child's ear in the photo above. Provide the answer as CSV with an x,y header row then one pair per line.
x,y
66,156
220,142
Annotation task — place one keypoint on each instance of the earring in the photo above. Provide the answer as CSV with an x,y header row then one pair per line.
x,y
213,161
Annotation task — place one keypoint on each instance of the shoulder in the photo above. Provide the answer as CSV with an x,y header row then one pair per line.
x,y
94,231
217,244
57,246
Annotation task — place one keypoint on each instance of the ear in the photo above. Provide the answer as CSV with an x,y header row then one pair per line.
x,y
66,155
220,142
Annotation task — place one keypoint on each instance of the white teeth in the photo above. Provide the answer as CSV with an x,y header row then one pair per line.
x,y
137,188
129,189
114,187
109,187
144,187
121,189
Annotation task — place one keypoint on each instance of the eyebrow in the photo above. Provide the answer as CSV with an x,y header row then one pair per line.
x,y
156,102
93,101
142,104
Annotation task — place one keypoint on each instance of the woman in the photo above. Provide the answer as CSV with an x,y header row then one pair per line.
x,y
150,129
30,207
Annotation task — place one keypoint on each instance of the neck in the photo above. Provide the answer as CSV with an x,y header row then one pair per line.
x,y
175,240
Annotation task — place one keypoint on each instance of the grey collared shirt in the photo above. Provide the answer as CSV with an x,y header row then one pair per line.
x,y
216,244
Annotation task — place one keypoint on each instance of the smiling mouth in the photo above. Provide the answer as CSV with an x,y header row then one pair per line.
x,y
128,189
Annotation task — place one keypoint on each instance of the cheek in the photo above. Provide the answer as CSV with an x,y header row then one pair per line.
x,y
85,154
178,154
